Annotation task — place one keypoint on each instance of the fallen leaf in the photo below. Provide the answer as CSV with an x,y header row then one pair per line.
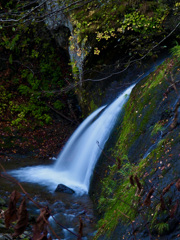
x,y
40,228
178,184
147,201
22,221
166,189
174,209
138,183
131,180
11,213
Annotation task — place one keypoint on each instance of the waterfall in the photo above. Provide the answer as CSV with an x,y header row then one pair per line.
x,y
75,164
81,152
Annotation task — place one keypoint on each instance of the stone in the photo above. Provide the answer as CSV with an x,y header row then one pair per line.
x,y
63,188
5,237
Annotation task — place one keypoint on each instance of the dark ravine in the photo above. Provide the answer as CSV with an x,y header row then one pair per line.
x,y
147,115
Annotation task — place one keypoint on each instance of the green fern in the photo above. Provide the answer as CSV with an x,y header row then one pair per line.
x,y
161,227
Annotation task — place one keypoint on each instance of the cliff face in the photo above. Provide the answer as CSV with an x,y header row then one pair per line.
x,y
140,192
102,46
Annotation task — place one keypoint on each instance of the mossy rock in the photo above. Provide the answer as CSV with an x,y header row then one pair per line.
x,y
145,129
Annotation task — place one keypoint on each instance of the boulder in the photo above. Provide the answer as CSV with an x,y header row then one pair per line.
x,y
63,188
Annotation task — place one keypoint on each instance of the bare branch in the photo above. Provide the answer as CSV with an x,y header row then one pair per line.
x,y
59,113
20,63
64,8
42,17
25,15
135,60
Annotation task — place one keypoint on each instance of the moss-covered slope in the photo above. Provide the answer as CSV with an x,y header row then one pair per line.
x,y
134,199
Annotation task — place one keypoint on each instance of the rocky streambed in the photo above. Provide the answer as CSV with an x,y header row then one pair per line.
x,y
70,215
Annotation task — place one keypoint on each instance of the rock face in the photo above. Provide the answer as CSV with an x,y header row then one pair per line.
x,y
61,28
103,67
63,188
149,144
58,24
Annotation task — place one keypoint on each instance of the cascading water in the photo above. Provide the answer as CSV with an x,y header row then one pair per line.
x,y
76,162
81,153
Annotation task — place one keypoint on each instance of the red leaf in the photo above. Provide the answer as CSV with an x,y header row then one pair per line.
x,y
22,219
166,189
163,206
147,201
11,213
40,228
131,180
80,228
178,184
174,209
138,183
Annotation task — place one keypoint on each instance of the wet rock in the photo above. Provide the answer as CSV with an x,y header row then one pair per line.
x,y
81,213
5,237
63,188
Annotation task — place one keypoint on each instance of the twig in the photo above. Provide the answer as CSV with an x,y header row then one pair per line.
x,y
109,158
63,226
130,221
59,113
135,60
51,227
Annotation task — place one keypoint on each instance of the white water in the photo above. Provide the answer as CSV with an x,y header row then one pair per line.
x,y
76,162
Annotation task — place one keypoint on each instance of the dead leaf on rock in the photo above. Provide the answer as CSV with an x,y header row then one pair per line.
x,y
147,201
163,206
166,189
178,184
174,209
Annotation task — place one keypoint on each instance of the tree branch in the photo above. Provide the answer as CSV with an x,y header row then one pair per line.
x,y
60,114
42,17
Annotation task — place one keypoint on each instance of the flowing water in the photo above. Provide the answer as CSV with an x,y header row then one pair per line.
x,y
76,162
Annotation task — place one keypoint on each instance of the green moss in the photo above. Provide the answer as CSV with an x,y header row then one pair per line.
x,y
119,207
93,106
157,127
118,199
139,109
